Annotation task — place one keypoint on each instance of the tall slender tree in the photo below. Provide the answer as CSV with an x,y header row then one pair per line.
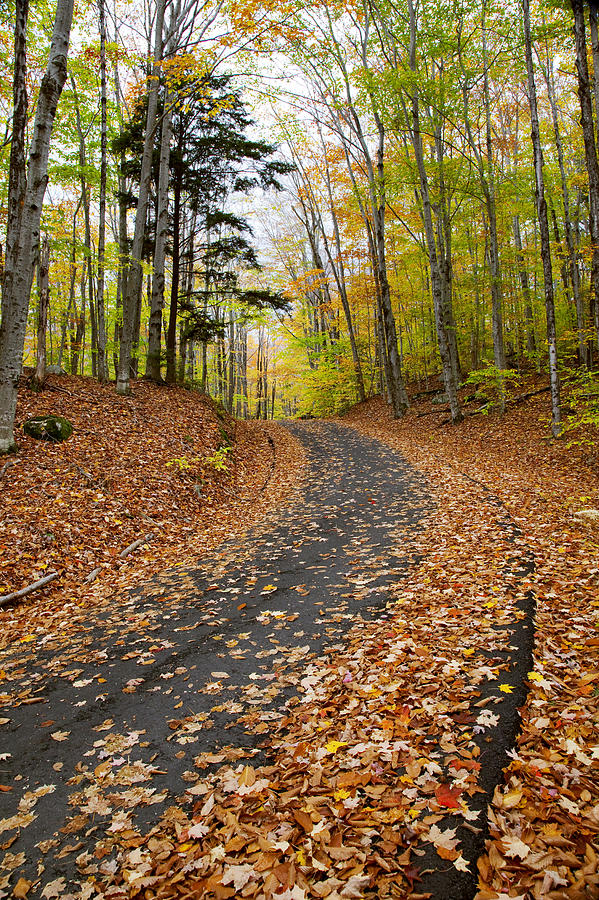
x,y
543,224
28,192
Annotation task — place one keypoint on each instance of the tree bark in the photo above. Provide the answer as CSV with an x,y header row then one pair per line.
x,y
531,344
157,301
39,376
436,285
132,297
100,311
489,191
543,225
590,151
339,273
15,299
574,269
593,22
171,338
85,202
17,178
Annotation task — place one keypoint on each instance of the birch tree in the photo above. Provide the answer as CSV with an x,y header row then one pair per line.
x,y
27,191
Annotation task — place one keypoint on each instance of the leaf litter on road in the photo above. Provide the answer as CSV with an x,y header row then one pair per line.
x,y
374,762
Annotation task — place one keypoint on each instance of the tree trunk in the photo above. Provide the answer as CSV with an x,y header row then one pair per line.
x,y
157,301
543,226
339,272
436,285
205,311
39,376
85,202
574,269
593,22
15,299
399,397
101,323
171,338
590,152
132,297
444,245
79,352
17,178
531,345
489,191
232,358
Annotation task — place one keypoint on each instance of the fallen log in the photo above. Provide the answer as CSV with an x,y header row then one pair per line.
x,y
16,595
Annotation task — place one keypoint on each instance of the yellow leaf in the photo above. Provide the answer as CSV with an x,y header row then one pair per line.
x,y
21,888
301,858
535,676
27,638
333,746
506,688
510,799
341,794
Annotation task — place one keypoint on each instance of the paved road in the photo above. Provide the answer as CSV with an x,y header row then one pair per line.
x,y
194,658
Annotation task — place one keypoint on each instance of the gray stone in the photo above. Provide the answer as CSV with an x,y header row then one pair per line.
x,y
55,370
440,399
48,428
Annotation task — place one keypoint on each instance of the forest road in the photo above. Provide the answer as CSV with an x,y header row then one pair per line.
x,y
195,660
228,635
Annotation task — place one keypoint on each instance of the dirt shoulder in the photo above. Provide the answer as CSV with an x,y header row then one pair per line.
x,y
163,462
489,470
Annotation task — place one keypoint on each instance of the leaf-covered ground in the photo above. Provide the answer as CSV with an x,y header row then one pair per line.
x,y
193,670
382,745
544,819
134,466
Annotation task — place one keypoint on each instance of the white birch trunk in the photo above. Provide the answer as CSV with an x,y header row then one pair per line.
x,y
15,302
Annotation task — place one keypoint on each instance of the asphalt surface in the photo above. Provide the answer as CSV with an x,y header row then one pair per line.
x,y
197,639
193,660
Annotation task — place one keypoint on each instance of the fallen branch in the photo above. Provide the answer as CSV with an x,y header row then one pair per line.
x,y
92,575
426,393
6,467
148,519
432,412
135,545
16,595
522,397
55,387
90,478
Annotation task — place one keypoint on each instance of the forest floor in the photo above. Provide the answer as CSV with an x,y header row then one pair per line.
x,y
504,488
358,756
135,466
